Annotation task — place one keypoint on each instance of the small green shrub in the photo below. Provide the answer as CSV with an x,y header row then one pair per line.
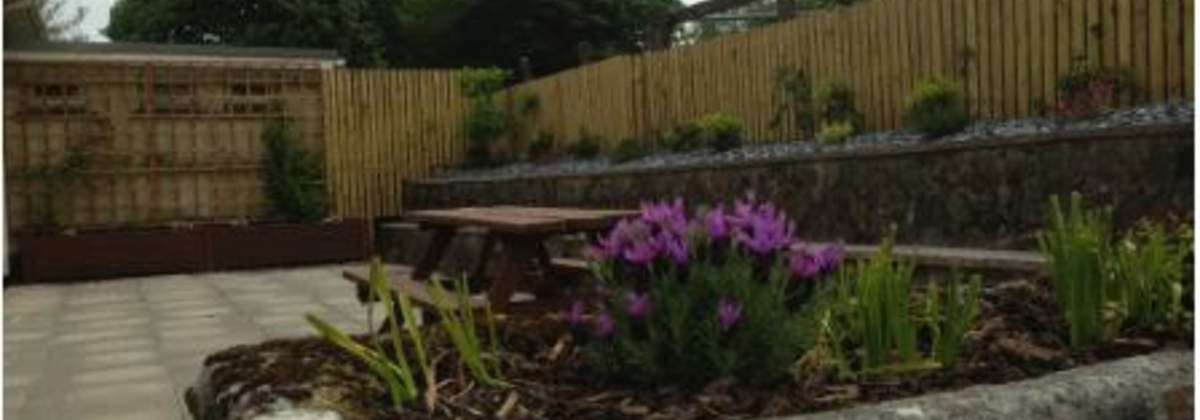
x,y
686,137
722,131
292,177
485,121
586,147
476,83
935,108
1076,244
629,149
835,102
55,182
541,147
836,132
794,93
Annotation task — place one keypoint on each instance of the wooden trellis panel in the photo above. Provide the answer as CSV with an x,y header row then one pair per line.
x,y
165,141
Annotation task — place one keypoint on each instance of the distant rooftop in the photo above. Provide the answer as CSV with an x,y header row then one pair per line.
x,y
131,51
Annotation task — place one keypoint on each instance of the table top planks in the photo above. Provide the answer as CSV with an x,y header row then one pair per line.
x,y
520,220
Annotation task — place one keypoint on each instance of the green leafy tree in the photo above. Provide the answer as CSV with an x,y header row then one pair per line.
x,y
552,34
347,26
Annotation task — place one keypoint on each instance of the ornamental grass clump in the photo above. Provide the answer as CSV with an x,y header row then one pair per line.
x,y
1105,286
396,369
1076,244
1151,264
867,324
686,300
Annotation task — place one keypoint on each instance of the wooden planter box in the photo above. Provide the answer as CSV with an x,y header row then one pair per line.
x,y
278,244
103,253
100,253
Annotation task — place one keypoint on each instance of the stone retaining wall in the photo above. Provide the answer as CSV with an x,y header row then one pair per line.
x,y
988,193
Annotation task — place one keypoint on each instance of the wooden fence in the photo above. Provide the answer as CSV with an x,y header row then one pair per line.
x,y
164,141
1004,55
182,142
384,127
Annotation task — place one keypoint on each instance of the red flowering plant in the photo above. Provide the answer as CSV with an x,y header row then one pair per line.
x,y
690,299
1086,90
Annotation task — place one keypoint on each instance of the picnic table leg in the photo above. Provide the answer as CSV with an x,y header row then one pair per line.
x,y
519,254
547,285
433,254
479,279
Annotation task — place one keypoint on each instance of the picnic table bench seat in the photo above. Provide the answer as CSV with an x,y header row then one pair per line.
x,y
524,268
399,279
571,266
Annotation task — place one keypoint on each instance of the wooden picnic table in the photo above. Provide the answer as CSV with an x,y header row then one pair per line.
x,y
519,232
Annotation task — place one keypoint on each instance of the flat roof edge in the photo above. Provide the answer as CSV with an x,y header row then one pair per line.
x,y
67,57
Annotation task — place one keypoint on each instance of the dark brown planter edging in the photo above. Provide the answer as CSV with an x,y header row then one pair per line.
x,y
276,244
111,253
105,253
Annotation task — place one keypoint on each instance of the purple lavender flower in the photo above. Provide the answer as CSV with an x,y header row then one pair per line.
x,y
729,313
716,223
804,265
575,311
670,216
595,253
832,256
807,260
641,252
611,246
762,228
602,326
636,304
672,245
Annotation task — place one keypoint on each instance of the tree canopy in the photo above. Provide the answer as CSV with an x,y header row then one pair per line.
x,y
552,34
344,25
39,20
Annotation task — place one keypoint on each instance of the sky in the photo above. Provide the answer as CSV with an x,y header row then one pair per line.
x,y
97,16
95,19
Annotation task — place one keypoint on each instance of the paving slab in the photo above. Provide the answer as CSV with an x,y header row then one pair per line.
x,y
127,348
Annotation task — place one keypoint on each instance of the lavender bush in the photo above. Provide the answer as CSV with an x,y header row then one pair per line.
x,y
687,300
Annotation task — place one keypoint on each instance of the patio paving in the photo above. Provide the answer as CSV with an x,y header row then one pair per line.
x,y
127,348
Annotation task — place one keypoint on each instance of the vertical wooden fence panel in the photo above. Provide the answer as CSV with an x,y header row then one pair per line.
x,y
387,126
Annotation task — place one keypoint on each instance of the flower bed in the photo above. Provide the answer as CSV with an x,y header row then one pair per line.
x,y
728,314
1020,336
